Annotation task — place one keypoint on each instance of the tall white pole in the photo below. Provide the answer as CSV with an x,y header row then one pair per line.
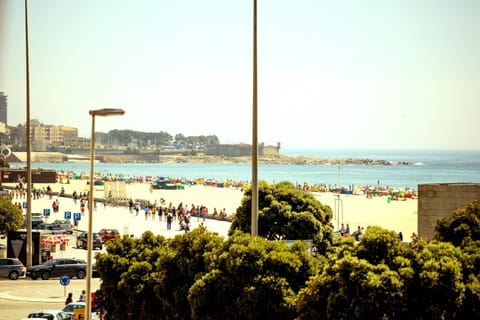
x,y
29,246
254,221
88,295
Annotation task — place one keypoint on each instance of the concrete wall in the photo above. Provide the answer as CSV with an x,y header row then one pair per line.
x,y
232,150
439,201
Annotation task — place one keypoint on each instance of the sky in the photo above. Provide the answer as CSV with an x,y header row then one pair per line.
x,y
331,74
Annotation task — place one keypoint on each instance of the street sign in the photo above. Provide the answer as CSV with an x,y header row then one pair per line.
x,y
24,205
77,216
64,280
68,215
46,212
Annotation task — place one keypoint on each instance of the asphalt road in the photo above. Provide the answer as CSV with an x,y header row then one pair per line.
x,y
20,297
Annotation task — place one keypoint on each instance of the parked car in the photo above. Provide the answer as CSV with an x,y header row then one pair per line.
x,y
70,308
82,241
64,224
57,268
53,228
12,268
108,234
35,223
48,314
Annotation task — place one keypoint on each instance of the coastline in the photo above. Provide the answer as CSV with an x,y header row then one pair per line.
x,y
57,157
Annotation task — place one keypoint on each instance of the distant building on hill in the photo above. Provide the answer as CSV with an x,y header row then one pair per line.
x,y
44,135
3,109
240,150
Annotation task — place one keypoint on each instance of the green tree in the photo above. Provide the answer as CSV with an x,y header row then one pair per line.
x,y
367,280
179,266
251,278
438,289
285,212
380,246
128,272
11,218
380,278
462,227
4,163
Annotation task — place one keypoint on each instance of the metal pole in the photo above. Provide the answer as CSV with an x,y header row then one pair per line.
x,y
254,129
29,247
88,295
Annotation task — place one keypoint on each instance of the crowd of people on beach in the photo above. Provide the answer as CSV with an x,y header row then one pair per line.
x,y
180,213
369,190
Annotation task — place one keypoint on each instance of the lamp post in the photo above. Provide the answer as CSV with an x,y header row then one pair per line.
x,y
29,247
254,217
102,113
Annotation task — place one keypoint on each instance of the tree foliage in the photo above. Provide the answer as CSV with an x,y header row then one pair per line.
x,y
380,278
200,275
462,227
285,212
183,262
128,275
124,137
251,278
4,163
11,217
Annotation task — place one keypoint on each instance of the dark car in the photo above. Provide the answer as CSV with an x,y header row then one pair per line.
x,y
109,234
12,268
35,223
57,268
53,228
82,241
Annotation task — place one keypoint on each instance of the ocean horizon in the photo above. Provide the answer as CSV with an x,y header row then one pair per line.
x,y
427,166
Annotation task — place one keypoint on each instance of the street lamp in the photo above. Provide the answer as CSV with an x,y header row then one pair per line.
x,y
102,113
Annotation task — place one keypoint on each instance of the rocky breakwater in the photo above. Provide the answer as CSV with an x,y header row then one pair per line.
x,y
280,160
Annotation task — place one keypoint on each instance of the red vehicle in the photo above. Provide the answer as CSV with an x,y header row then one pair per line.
x,y
108,234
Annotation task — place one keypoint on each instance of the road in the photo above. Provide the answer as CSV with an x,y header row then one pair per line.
x,y
19,298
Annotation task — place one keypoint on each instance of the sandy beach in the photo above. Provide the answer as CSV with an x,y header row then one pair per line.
x,y
355,210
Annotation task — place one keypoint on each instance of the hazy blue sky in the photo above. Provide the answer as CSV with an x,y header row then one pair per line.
x,y
341,74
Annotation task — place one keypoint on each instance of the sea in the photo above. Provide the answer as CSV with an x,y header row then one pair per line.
x,y
426,166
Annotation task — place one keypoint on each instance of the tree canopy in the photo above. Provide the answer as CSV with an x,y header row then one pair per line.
x,y
11,217
4,163
380,278
462,227
286,213
200,275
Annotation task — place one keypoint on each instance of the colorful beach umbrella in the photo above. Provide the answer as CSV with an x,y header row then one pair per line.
x,y
53,239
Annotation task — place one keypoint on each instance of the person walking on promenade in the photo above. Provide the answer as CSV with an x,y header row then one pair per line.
x,y
169,220
69,298
82,296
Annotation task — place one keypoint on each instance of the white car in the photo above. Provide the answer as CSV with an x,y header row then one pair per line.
x,y
48,314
